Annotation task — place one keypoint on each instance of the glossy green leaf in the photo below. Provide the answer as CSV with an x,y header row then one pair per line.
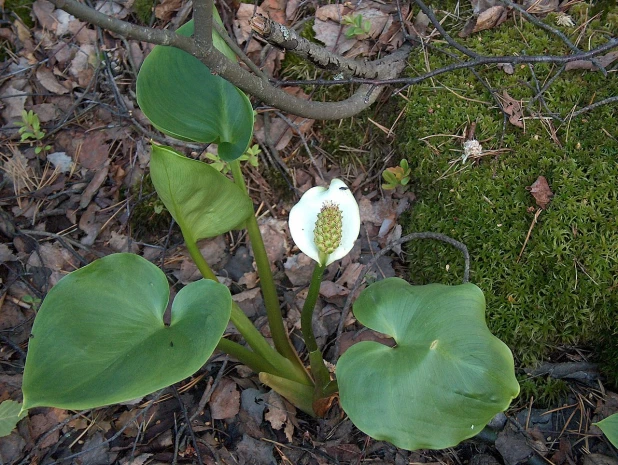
x,y
10,414
609,426
99,336
182,98
203,202
443,381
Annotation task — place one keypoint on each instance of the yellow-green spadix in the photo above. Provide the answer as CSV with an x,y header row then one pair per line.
x,y
325,222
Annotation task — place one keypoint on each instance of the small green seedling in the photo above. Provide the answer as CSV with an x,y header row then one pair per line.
x,y
358,26
31,132
250,155
34,302
396,176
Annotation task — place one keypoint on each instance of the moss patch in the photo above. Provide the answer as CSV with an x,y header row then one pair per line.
x,y
564,289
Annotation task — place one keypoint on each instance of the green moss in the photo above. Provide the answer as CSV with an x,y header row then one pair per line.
x,y
149,215
546,391
143,10
564,288
22,8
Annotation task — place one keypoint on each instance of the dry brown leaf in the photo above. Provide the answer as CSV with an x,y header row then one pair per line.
x,y
514,109
43,12
94,150
604,61
242,29
275,9
14,101
166,9
275,234
225,400
44,422
291,8
127,420
55,258
490,18
277,414
541,192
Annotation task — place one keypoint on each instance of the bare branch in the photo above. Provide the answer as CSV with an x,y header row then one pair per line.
x,y
388,67
202,15
481,60
552,30
280,36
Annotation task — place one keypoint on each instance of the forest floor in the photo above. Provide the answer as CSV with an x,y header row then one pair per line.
x,y
79,189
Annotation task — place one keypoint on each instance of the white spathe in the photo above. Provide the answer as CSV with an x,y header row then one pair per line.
x,y
305,213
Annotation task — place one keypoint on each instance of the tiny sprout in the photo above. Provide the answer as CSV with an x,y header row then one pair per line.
x,y
396,176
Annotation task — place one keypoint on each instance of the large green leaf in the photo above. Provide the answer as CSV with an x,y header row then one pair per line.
x,y
443,381
10,414
203,202
182,98
99,336
609,426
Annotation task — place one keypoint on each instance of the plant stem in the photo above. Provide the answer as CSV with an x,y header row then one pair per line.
x,y
306,318
271,301
283,366
319,371
245,356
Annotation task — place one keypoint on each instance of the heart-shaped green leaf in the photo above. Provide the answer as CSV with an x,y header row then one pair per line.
x,y
203,202
99,336
182,98
443,381
609,426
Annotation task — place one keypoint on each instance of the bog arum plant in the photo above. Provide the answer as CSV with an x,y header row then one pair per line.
x,y
100,336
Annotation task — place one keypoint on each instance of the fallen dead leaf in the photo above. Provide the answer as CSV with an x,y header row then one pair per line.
x,y
490,18
55,258
43,12
44,422
166,9
604,61
277,414
514,109
225,400
541,192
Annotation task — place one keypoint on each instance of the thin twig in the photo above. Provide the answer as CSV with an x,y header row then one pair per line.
x,y
534,20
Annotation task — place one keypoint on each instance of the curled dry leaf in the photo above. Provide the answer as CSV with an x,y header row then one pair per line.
x,y
541,192
604,61
490,18
277,414
225,400
513,109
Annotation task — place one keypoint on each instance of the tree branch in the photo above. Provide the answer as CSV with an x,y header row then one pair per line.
x,y
388,67
282,37
202,15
